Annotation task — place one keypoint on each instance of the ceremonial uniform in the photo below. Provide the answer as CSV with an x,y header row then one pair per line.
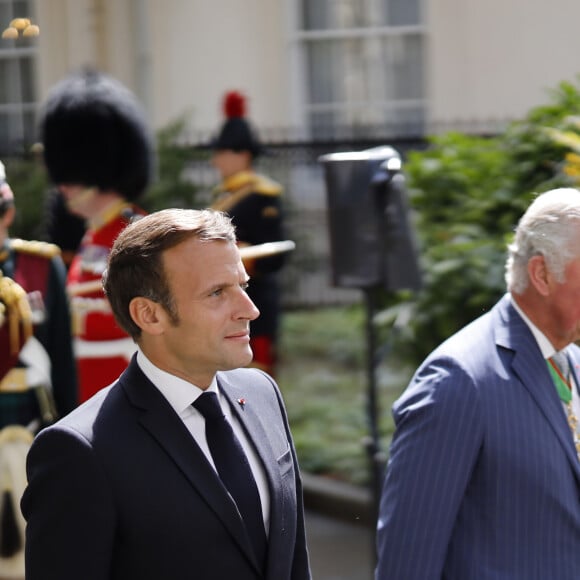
x,y
98,151
254,203
37,374
102,349
37,371
63,228
43,383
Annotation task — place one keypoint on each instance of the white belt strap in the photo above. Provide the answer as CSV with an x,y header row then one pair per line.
x,y
124,347
37,363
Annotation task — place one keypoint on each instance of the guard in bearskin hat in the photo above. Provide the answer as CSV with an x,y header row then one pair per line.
x,y
37,367
254,203
98,150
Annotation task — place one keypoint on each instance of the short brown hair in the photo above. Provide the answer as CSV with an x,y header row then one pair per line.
x,y
135,266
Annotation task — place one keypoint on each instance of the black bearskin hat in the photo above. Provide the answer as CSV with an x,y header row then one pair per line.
x,y
236,133
95,133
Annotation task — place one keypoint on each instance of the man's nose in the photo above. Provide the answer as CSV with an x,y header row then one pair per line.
x,y
250,309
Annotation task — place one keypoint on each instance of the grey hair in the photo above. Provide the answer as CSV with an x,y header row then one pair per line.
x,y
549,228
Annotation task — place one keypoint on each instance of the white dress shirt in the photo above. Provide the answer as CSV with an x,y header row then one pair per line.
x,y
180,394
548,351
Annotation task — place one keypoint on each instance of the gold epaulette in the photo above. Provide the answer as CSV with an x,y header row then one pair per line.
x,y
15,309
36,248
248,181
266,186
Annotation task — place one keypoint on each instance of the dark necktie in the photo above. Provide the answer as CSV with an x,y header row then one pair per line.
x,y
234,470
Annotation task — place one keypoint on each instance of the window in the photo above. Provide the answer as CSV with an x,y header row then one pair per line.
x,y
363,65
18,93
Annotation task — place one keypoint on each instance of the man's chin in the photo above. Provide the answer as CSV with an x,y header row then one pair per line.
x,y
237,362
78,202
75,209
248,360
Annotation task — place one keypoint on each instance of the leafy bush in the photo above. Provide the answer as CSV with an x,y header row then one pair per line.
x,y
27,179
323,377
467,194
172,187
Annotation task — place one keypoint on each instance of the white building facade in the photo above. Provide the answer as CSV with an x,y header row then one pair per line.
x,y
310,68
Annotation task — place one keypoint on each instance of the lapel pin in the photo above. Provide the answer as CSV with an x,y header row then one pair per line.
x,y
242,403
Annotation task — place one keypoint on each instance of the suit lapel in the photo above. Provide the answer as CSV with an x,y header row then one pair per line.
x,y
530,367
159,419
251,420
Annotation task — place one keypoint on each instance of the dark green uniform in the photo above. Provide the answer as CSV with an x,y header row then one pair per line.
x,y
39,269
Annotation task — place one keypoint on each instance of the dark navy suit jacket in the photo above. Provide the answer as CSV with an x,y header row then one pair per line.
x,y
119,490
483,480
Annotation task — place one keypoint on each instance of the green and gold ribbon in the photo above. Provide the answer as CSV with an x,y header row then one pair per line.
x,y
562,385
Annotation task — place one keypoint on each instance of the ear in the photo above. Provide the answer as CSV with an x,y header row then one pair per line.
x,y
540,276
149,316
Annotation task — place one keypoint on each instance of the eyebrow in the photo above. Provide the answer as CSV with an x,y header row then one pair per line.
x,y
219,285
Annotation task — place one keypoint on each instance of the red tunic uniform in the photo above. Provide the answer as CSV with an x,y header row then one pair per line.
x,y
102,349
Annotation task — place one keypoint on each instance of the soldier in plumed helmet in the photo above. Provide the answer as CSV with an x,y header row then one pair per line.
x,y
98,150
254,202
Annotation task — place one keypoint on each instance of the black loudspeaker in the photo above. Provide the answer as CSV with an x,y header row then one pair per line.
x,y
371,239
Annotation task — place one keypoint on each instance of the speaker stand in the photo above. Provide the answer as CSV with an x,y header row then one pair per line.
x,y
377,458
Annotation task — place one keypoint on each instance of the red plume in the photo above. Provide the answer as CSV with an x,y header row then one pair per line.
x,y
234,105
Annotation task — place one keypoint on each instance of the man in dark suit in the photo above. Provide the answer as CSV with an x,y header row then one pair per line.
x,y
483,478
127,486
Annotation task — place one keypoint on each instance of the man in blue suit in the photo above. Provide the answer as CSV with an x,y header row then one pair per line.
x,y
483,480
127,486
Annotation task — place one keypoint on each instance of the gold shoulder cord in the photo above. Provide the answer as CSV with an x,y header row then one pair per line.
x,y
35,248
15,310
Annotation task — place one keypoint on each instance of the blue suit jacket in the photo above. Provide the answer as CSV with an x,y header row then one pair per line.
x,y
119,489
483,481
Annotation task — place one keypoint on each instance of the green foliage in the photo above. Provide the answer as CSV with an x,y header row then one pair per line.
x,y
172,188
323,377
467,194
28,181
334,335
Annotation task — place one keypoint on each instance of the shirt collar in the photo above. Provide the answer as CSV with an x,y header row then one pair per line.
x,y
545,345
179,393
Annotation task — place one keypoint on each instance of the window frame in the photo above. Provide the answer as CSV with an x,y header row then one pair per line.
x,y
16,110
301,40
